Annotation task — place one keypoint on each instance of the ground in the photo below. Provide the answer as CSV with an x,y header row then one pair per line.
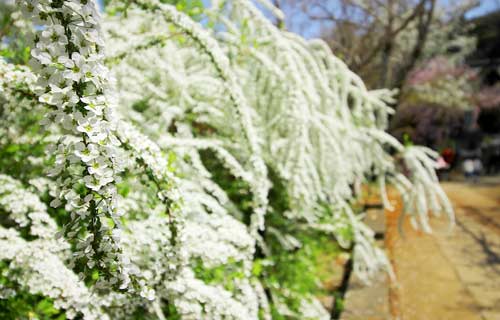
x,y
450,275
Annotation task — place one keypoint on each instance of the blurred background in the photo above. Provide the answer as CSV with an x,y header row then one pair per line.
x,y
442,56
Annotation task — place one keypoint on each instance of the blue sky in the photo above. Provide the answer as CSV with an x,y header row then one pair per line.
x,y
312,29
485,7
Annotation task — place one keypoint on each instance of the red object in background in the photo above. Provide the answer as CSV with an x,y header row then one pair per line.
x,y
448,155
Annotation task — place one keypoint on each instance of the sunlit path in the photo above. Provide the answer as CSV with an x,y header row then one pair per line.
x,y
451,276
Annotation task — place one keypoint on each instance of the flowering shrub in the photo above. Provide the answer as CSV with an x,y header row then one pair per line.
x,y
440,82
188,187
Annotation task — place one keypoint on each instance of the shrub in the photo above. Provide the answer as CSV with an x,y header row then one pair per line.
x,y
199,183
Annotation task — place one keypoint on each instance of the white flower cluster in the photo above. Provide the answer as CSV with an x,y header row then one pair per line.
x,y
68,58
217,239
237,98
319,127
320,150
422,192
198,300
32,263
42,272
26,209
16,84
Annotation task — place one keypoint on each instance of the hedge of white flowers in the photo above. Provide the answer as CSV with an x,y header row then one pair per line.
x,y
159,167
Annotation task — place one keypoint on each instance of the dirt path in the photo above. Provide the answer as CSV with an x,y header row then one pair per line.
x,y
450,276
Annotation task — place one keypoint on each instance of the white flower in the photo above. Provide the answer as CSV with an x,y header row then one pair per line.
x,y
94,104
92,182
86,152
55,203
98,166
88,125
55,34
42,56
63,97
45,98
76,66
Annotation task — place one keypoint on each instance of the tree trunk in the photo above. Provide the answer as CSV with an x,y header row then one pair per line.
x,y
424,22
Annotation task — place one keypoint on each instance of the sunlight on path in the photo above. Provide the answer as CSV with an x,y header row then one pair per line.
x,y
450,276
